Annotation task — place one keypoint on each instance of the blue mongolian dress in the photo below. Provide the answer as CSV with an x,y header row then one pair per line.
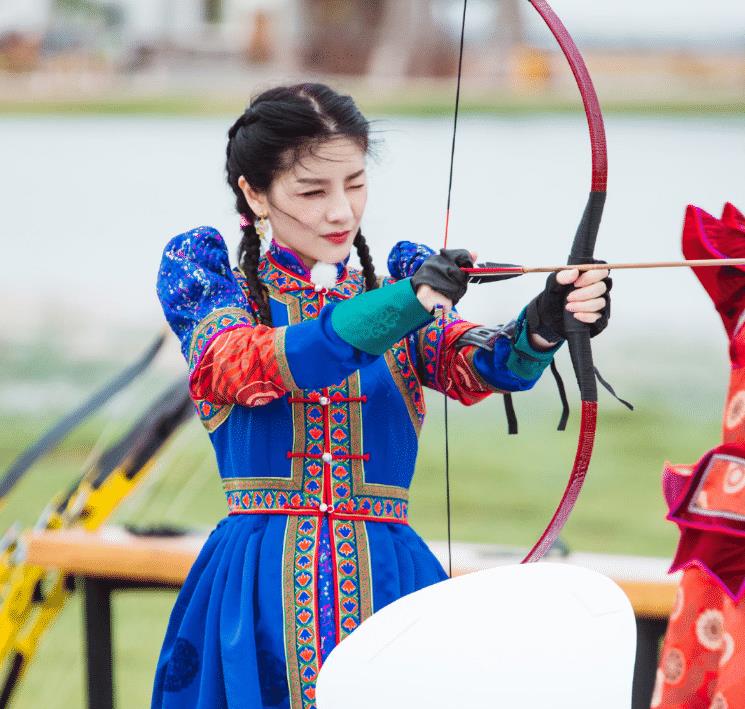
x,y
316,443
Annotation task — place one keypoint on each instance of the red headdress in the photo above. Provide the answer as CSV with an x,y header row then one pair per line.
x,y
706,237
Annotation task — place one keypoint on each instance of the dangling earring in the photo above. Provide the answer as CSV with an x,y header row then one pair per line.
x,y
262,226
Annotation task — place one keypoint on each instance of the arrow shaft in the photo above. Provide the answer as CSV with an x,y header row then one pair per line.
x,y
700,263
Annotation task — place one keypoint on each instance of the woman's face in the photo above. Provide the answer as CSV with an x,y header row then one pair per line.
x,y
316,206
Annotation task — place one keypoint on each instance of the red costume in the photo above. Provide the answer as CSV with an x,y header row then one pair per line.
x,y
702,664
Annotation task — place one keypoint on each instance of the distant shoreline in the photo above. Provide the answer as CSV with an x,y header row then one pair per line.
x,y
437,105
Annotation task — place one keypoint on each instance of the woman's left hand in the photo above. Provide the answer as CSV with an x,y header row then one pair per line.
x,y
586,294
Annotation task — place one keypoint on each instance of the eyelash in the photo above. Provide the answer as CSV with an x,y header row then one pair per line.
x,y
315,193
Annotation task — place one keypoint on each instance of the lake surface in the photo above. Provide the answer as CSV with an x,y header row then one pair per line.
x,y
88,204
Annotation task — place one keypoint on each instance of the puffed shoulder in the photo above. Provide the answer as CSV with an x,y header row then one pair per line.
x,y
406,257
195,280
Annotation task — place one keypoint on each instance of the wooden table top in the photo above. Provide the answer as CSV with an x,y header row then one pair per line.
x,y
115,553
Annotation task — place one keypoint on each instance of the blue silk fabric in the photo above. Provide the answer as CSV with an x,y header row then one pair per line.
x,y
273,591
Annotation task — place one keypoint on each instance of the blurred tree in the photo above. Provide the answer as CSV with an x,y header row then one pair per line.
x,y
260,48
110,13
505,50
420,38
213,11
338,36
387,38
19,52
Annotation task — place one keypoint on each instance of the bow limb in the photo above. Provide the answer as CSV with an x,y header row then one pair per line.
x,y
51,438
582,250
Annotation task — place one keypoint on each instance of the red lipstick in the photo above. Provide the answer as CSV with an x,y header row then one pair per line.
x,y
338,237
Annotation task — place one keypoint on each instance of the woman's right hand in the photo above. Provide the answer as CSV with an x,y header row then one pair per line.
x,y
432,300
440,282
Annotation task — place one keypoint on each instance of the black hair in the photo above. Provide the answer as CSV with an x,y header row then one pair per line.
x,y
275,130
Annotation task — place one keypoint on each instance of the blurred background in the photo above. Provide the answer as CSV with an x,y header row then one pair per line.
x,y
113,122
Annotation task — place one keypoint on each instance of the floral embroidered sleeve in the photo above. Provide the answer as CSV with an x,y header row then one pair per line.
x,y
234,360
467,372
231,359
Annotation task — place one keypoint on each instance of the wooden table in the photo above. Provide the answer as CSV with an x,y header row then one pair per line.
x,y
113,559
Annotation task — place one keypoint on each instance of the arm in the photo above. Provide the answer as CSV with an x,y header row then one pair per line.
x,y
233,359
468,362
450,356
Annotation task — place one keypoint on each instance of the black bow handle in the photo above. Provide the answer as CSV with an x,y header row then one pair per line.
x,y
578,333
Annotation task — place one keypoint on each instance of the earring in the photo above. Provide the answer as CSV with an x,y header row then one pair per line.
x,y
262,226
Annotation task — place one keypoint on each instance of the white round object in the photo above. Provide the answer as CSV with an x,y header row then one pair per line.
x,y
530,636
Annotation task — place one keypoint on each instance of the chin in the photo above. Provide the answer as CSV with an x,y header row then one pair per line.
x,y
333,253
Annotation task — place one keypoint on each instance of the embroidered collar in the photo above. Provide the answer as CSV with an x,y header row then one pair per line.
x,y
288,260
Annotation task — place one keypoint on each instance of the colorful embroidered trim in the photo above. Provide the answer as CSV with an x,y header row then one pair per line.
x,y
243,498
282,363
352,571
402,371
301,631
212,415
210,326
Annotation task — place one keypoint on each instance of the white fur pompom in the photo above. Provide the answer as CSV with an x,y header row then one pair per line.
x,y
323,275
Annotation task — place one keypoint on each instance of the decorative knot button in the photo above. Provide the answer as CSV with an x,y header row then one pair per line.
x,y
323,507
324,401
327,457
319,289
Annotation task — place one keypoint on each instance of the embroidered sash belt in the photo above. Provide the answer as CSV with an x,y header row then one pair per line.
x,y
243,498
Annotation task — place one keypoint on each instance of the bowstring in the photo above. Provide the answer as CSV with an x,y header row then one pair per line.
x,y
445,245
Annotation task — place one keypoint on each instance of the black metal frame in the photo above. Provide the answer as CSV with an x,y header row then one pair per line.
x,y
98,637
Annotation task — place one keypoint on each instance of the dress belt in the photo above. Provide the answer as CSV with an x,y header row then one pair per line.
x,y
370,508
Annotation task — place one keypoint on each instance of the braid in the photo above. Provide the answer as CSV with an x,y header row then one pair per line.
x,y
368,270
248,258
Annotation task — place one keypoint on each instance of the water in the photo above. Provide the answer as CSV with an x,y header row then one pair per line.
x,y
88,204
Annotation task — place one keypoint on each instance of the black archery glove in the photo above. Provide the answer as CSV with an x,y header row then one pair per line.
x,y
442,273
545,313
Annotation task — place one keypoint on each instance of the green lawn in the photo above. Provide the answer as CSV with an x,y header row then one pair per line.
x,y
413,102
503,491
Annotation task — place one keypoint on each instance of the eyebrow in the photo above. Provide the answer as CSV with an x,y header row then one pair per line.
x,y
321,180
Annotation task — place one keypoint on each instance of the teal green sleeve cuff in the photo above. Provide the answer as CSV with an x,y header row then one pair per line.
x,y
525,361
374,321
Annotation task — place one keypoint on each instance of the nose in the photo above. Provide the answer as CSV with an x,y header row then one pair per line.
x,y
340,209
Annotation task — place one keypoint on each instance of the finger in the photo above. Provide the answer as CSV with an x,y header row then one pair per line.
x,y
588,292
568,276
589,277
588,318
587,306
474,256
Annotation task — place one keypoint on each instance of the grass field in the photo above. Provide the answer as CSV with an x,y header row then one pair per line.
x,y
414,103
503,491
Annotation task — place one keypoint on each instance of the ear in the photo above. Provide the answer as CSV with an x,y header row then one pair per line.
x,y
256,200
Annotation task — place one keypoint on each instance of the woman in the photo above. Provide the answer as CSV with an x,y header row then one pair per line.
x,y
702,663
307,375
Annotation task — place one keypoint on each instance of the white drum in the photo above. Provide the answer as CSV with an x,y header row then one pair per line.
x,y
533,636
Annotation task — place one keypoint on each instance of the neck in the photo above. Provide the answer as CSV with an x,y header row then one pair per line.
x,y
308,262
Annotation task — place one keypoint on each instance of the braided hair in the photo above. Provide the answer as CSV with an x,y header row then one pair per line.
x,y
275,130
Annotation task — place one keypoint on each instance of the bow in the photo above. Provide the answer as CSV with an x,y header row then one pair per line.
x,y
582,249
51,438
33,596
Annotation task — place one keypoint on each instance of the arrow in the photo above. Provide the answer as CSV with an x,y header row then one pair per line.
x,y
502,271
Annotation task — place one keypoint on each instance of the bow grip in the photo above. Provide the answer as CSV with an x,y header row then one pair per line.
x,y
578,335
